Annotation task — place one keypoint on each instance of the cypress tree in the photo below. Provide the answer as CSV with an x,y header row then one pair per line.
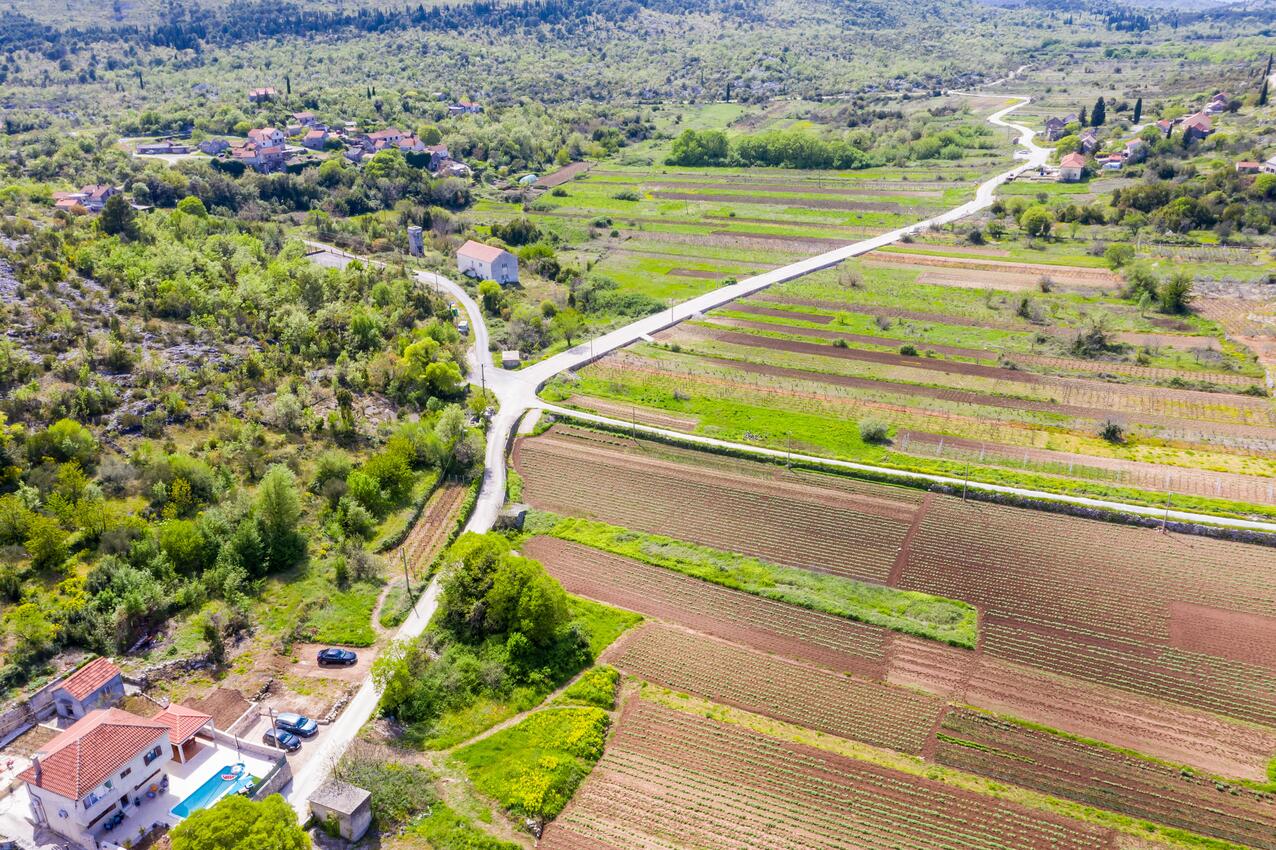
x,y
1099,114
1083,120
1262,95
1138,110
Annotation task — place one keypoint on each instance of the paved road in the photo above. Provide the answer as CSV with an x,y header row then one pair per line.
x,y
516,394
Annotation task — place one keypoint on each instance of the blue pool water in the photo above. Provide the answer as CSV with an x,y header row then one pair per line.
x,y
229,780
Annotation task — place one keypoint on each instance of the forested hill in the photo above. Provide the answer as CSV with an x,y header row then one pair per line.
x,y
196,26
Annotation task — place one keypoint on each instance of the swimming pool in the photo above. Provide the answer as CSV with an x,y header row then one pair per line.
x,y
229,780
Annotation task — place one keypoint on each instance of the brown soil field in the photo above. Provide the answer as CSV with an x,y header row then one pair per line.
x,y
815,241
564,174
725,673
796,246
1037,270
1149,476
789,521
792,188
1249,638
431,530
1070,364
671,779
774,627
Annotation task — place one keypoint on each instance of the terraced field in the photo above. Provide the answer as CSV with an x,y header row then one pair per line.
x,y
993,385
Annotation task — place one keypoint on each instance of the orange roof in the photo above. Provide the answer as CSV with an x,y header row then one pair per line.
x,y
479,251
90,677
182,722
1073,160
100,743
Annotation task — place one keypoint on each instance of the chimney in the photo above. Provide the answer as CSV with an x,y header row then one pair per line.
x,y
39,771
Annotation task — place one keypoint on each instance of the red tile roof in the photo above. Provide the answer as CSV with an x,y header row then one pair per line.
x,y
1072,160
479,251
1200,121
100,743
90,677
182,722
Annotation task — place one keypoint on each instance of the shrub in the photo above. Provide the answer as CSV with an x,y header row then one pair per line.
x,y
874,431
596,687
908,350
1113,432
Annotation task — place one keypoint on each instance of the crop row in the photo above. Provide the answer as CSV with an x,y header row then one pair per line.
x,y
720,786
825,531
768,625
1106,778
866,711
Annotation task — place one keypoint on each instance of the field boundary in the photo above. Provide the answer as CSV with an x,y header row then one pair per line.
x,y
1225,528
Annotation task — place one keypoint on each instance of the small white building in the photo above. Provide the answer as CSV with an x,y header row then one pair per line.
x,y
90,775
1071,168
510,359
487,262
98,684
349,806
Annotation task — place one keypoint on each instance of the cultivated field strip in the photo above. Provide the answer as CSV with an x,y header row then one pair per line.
x,y
672,779
793,523
1020,359
776,627
866,711
1097,776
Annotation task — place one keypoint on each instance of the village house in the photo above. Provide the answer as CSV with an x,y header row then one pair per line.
x,y
167,146
1268,167
1248,166
91,198
464,106
267,136
1196,127
1111,162
1135,150
262,95
1165,125
1089,141
88,776
1071,168
388,136
259,157
1218,104
212,147
98,684
487,262
305,119
316,140
1054,129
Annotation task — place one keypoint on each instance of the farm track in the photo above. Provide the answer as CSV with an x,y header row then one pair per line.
x,y
564,175
1065,364
672,779
1136,338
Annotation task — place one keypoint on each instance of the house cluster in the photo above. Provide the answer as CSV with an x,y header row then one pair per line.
x,y
1199,124
1057,128
1268,166
91,198
265,150
1072,166
441,163
111,777
262,95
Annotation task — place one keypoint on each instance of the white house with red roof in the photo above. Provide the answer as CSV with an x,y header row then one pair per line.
x,y
267,136
90,774
1071,168
1197,126
487,262
98,684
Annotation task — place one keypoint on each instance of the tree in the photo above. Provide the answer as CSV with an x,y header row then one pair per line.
x,y
492,296
278,511
1138,110
1099,114
1175,293
1262,94
1082,119
237,823
118,218
46,542
1118,254
192,205
568,323
1036,221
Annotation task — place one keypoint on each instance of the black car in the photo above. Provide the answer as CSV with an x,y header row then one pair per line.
x,y
337,656
282,738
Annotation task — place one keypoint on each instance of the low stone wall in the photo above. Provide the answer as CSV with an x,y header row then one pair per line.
x,y
273,782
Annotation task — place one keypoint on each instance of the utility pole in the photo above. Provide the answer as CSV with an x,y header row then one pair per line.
x,y
406,578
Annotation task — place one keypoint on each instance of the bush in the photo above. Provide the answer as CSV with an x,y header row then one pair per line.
x,y
399,791
908,350
596,687
1113,432
627,195
874,431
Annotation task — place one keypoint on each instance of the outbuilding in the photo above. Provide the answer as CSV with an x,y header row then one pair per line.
x,y
487,262
348,805
1071,168
98,684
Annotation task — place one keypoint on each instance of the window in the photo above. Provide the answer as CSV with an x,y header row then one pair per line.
x,y
125,772
151,756
91,799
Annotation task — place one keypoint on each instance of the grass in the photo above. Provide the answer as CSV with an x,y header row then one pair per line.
x,y
596,687
394,610
533,769
444,829
604,622
909,612
346,618
308,604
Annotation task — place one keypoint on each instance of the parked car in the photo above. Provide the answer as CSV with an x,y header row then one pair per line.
x,y
297,724
277,737
337,656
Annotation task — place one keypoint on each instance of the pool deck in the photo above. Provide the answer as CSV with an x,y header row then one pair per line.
x,y
183,780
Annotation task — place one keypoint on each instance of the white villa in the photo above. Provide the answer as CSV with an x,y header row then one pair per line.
x,y
487,262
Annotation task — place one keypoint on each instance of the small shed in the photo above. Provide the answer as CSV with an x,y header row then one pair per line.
x,y
510,359
348,805
98,684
